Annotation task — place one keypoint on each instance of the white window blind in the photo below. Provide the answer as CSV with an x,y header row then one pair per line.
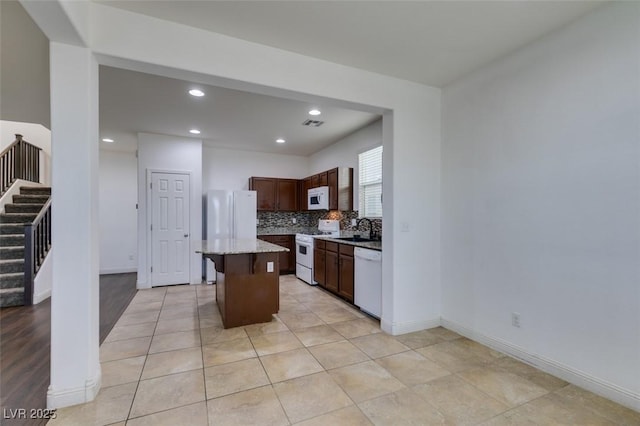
x,y
370,166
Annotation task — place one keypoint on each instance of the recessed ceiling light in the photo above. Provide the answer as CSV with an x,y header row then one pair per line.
x,y
196,92
194,131
107,140
280,140
315,111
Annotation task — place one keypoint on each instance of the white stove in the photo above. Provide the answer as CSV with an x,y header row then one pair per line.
x,y
304,248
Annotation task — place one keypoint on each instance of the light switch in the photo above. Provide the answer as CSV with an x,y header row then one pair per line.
x,y
404,227
269,266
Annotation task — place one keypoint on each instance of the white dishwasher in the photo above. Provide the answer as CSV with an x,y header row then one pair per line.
x,y
368,280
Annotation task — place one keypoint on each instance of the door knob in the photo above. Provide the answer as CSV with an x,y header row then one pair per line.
x,y
186,235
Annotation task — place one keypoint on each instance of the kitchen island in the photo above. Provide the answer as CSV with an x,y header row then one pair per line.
x,y
247,279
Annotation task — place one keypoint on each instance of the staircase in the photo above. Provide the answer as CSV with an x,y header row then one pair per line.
x,y
24,209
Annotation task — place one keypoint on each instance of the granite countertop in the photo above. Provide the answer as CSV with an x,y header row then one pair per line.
x,y
371,245
236,246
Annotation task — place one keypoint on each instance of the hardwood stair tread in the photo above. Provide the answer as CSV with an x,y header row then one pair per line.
x,y
23,209
11,274
11,290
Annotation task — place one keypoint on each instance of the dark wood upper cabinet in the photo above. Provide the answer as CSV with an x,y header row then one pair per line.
x,y
266,189
315,181
322,179
276,194
319,179
340,182
287,195
304,200
290,195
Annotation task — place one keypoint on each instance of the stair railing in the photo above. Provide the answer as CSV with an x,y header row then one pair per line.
x,y
37,243
20,160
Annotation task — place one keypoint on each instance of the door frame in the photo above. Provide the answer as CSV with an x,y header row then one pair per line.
x,y
149,218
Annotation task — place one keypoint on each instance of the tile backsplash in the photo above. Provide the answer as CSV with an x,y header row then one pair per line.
x,y
310,220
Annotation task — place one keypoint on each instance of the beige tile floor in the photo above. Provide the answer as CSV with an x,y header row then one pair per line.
x,y
168,361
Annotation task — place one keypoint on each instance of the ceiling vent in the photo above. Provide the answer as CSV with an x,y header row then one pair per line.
x,y
312,123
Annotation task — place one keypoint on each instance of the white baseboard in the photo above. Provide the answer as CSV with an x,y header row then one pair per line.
x,y
396,328
109,271
79,395
579,378
41,297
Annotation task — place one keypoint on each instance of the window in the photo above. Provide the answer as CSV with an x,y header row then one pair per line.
x,y
370,166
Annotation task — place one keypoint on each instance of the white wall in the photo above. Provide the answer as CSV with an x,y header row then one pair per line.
x,y
43,280
541,202
231,169
24,55
75,323
411,267
118,214
344,153
168,153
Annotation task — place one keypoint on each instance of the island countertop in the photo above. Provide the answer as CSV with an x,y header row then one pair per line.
x,y
222,246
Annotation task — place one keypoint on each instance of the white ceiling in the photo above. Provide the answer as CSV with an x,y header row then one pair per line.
x,y
430,42
132,102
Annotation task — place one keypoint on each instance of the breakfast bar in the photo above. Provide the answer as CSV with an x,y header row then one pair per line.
x,y
247,279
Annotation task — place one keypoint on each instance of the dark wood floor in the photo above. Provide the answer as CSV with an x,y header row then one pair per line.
x,y
25,344
116,291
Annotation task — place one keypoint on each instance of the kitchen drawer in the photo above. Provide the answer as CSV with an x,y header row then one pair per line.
x,y
346,249
321,244
281,239
331,246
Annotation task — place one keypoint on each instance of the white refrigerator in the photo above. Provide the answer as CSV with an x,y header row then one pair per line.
x,y
230,214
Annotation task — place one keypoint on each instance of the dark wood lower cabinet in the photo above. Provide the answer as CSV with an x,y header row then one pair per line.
x,y
332,275
319,262
346,271
287,259
337,276
246,292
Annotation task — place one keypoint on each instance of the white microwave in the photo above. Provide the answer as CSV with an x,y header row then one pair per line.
x,y
318,198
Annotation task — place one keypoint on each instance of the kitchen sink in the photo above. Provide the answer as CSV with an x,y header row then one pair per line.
x,y
355,239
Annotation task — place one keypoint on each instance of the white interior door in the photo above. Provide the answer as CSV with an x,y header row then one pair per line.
x,y
170,240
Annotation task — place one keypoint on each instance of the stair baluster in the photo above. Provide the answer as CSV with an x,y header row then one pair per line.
x,y
20,160
37,242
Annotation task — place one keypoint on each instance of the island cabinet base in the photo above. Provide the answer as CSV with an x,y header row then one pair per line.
x,y
245,292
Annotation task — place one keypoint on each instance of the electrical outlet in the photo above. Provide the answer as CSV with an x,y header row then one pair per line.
x,y
130,257
269,266
294,220
354,222
515,319
404,227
